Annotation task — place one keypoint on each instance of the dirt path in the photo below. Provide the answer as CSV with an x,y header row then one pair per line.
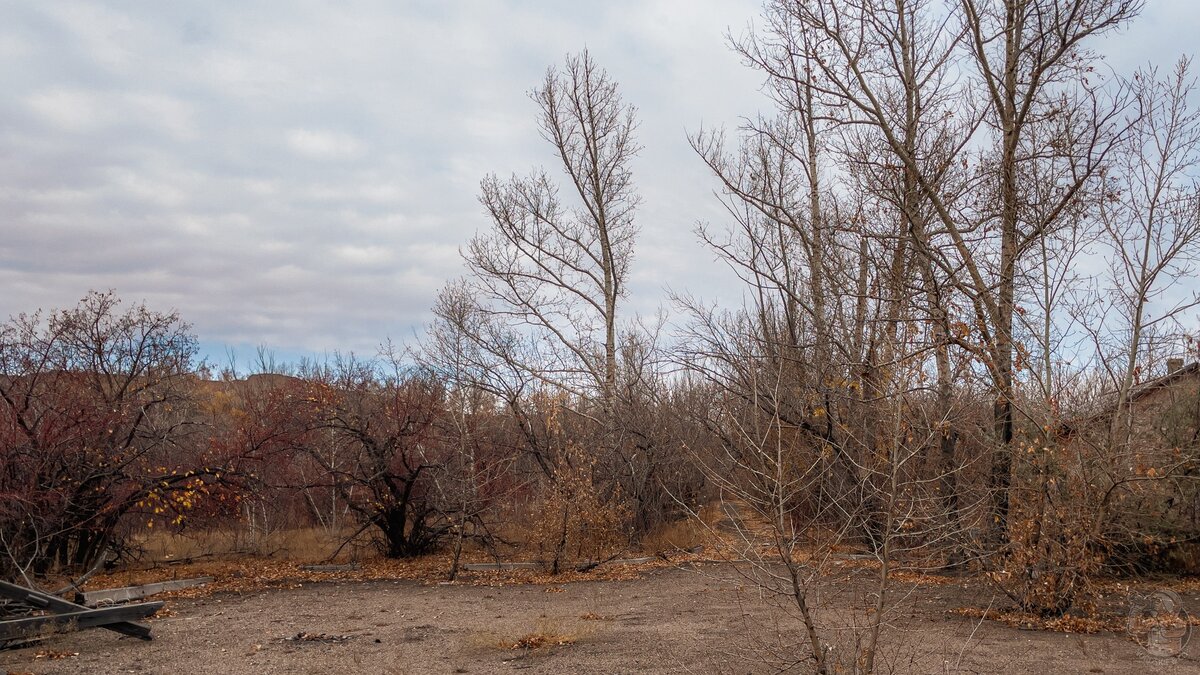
x,y
671,621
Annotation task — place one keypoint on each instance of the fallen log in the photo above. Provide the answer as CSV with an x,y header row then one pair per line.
x,y
111,596
593,564
586,566
501,566
350,567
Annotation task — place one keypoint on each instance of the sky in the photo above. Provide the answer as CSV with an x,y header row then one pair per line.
x,y
301,175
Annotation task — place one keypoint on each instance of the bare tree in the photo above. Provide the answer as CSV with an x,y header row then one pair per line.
x,y
1115,477
546,283
555,271
887,223
478,471
818,378
97,423
1040,121
384,412
1150,212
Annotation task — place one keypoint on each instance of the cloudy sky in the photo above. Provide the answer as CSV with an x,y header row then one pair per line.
x,y
302,174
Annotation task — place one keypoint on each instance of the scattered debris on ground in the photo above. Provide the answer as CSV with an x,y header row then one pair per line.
x,y
317,637
52,655
539,640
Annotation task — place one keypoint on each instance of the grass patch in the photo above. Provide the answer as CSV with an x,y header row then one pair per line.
x,y
299,544
545,634
684,534
539,640
680,535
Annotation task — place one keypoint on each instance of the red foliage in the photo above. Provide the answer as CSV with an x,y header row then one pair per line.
x,y
96,422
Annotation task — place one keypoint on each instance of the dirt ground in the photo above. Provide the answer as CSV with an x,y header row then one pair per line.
x,y
700,620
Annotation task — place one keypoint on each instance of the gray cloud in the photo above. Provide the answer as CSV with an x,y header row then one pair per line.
x,y
301,175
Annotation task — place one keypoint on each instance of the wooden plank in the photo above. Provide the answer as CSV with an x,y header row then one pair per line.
x,y
127,593
54,603
84,618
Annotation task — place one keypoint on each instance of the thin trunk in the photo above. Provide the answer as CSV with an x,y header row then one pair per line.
x,y
1000,478
458,546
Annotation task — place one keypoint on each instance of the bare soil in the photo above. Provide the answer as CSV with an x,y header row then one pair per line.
x,y
704,619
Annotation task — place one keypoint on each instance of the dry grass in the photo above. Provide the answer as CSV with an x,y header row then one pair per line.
x,y
314,544
302,544
703,530
243,574
544,634
680,535
275,561
239,564
1063,624
538,640
1076,621
515,527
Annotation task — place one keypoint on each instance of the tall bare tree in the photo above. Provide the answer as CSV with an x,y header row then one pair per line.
x,y
556,268
1040,121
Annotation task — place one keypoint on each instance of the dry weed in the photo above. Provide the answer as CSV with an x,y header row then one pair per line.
x,y
546,633
538,640
1068,623
680,535
251,574
302,544
51,655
